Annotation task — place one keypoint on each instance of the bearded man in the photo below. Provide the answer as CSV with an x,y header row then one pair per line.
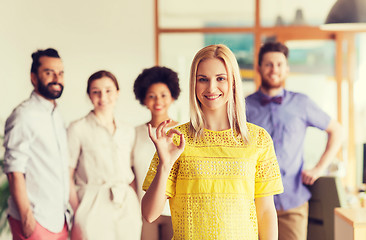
x,y
286,115
36,156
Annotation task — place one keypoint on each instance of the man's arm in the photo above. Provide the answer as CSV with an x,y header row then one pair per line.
x,y
335,139
74,202
73,198
267,218
19,194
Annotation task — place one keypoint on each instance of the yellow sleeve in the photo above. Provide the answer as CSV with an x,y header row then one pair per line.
x,y
267,177
172,179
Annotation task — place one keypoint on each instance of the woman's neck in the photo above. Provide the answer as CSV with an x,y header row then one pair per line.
x,y
216,120
156,120
106,119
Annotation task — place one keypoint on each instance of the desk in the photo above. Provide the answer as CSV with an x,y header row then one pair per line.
x,y
350,223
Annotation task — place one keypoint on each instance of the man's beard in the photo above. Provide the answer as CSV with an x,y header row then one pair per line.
x,y
46,91
268,85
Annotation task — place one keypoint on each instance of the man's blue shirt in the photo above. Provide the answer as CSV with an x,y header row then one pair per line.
x,y
286,121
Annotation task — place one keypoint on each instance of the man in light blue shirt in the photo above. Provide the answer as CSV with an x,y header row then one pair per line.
x,y
36,156
286,115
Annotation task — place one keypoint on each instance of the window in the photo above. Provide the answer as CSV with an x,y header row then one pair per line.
x,y
317,57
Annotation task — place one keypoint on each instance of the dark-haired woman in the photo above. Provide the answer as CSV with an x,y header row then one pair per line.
x,y
156,88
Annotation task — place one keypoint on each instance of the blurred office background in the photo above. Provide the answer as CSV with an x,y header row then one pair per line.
x,y
124,37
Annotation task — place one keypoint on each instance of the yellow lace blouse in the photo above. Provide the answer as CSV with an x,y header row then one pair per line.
x,y
213,184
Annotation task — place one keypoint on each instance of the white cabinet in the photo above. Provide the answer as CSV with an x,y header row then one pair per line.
x,y
350,224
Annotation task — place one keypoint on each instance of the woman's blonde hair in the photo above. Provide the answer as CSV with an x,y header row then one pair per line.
x,y
236,102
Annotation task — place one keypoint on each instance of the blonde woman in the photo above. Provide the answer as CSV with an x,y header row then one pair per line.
x,y
218,172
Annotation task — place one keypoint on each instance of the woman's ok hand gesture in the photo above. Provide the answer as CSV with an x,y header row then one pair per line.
x,y
167,151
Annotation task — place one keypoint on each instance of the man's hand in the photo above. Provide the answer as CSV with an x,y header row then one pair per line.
x,y
28,225
311,175
19,193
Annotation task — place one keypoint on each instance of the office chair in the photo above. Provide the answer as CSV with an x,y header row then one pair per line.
x,y
327,194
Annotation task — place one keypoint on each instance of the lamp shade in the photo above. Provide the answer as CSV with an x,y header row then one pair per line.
x,y
346,15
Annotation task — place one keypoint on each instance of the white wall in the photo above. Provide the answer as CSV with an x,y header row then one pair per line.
x,y
90,35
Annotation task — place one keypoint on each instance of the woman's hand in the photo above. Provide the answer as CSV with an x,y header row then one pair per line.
x,y
76,233
154,199
167,151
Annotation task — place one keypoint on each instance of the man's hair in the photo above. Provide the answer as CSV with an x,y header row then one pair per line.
x,y
271,47
49,52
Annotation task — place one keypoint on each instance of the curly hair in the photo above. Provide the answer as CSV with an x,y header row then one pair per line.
x,y
150,76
